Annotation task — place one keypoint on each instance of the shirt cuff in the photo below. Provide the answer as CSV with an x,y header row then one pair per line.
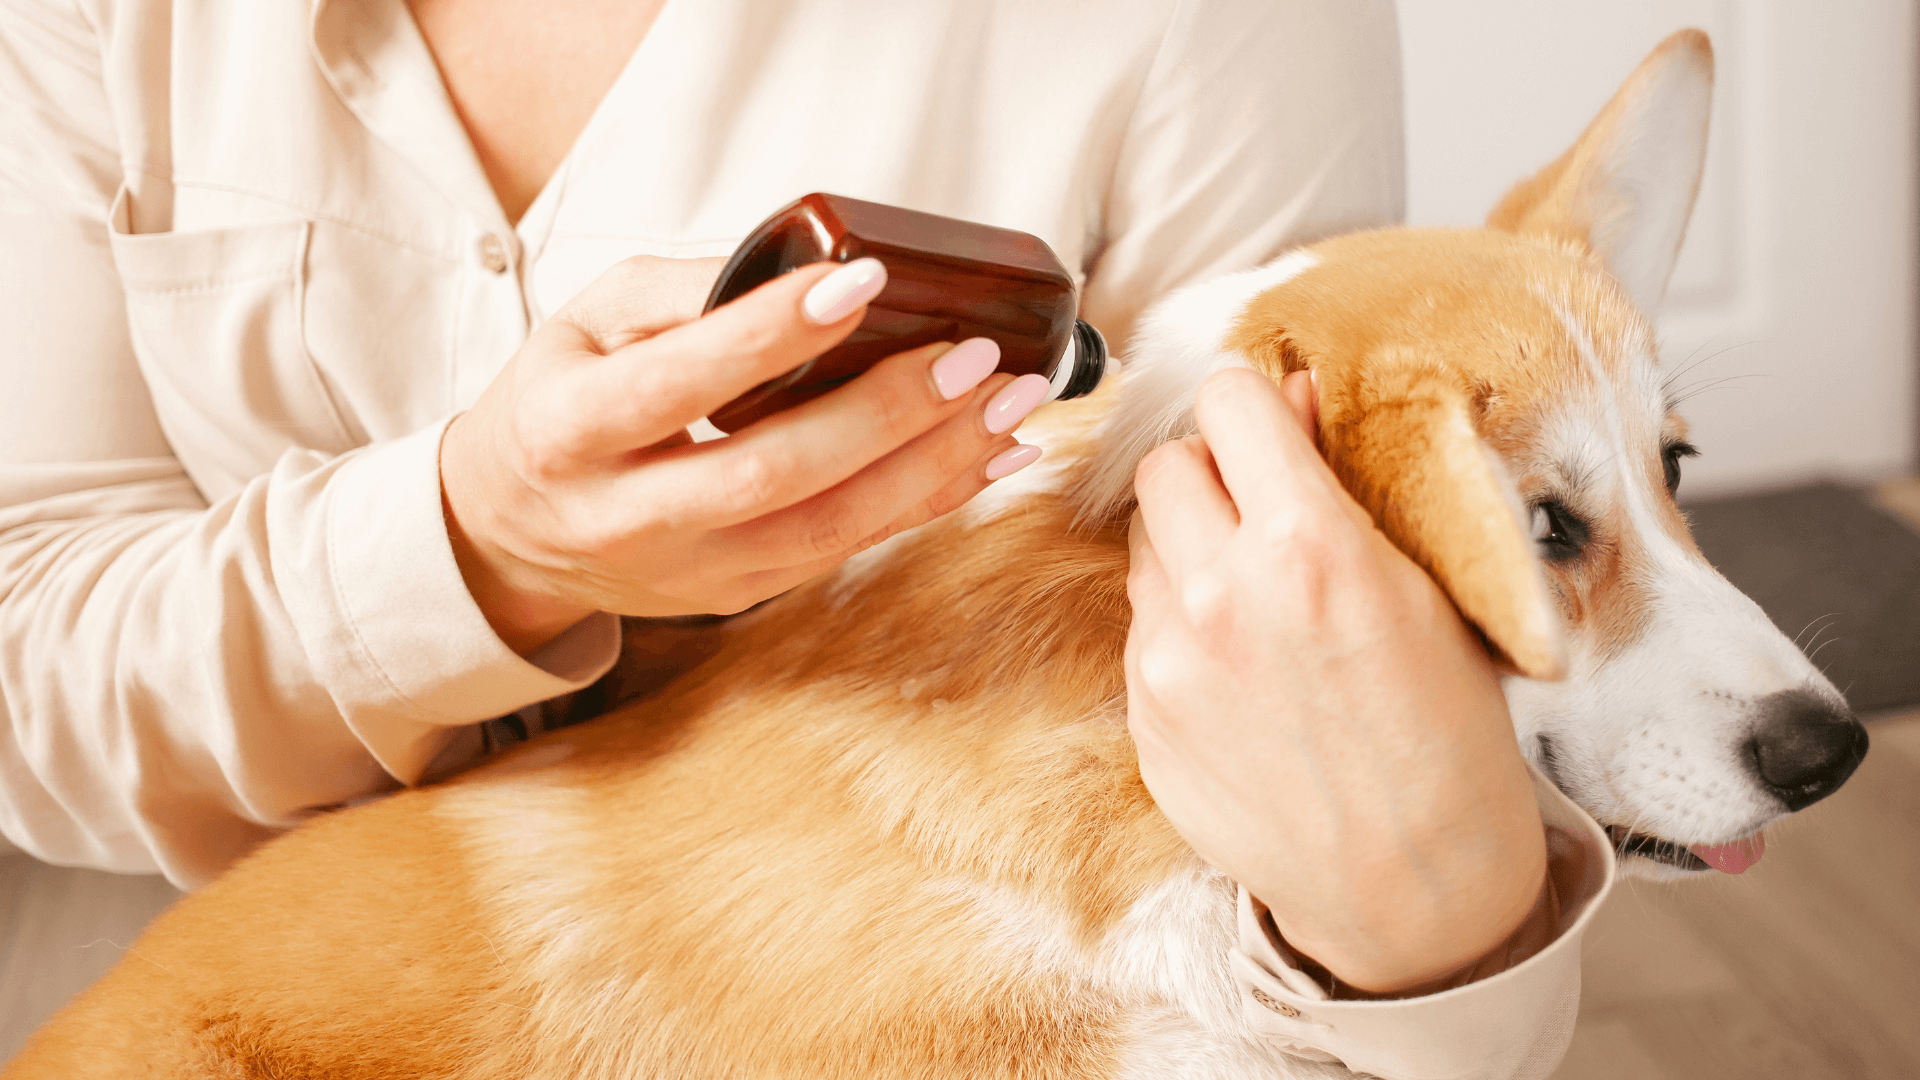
x,y
395,635
1513,1024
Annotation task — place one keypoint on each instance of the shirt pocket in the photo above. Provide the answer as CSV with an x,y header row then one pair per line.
x,y
215,318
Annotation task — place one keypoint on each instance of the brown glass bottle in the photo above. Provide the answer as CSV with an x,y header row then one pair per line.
x,y
947,280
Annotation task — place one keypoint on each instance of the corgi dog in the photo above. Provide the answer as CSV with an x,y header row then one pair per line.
x,y
896,827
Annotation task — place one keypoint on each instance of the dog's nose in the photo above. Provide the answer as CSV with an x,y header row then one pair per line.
x,y
1804,747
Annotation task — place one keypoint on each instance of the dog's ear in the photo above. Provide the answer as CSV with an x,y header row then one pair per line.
x,y
1626,189
1399,432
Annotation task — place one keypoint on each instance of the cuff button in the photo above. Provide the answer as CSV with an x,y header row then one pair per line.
x,y
1280,1007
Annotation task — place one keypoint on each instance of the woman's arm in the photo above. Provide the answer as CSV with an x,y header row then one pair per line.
x,y
134,738
179,679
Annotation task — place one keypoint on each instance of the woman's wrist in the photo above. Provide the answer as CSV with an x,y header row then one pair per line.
x,y
1428,909
523,618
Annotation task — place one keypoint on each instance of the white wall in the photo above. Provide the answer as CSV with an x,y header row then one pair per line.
x,y
1797,282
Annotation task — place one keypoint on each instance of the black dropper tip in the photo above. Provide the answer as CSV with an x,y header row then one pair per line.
x,y
1089,360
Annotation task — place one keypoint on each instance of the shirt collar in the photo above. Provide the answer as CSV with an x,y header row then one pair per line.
x,y
376,60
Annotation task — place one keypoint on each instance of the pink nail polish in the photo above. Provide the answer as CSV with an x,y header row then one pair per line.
x,y
1010,406
964,365
834,297
1012,461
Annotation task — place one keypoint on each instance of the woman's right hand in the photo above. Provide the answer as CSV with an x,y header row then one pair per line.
x,y
1311,713
572,486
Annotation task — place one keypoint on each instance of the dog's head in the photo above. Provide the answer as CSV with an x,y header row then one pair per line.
x,y
1493,397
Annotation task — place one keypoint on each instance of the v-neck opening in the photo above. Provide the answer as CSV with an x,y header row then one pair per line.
x,y
546,200
378,61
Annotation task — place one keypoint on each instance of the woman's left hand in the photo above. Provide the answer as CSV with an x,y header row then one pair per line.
x,y
1311,713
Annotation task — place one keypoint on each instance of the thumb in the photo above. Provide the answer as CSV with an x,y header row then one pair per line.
x,y
639,297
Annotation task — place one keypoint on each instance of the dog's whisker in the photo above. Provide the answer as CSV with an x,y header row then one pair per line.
x,y
1691,361
1819,619
1696,359
1814,656
1694,390
1689,366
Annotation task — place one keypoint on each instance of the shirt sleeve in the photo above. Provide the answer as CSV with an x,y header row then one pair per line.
x,y
179,680
1513,1024
1260,125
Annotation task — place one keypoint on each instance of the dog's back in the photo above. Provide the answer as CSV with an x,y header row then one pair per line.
x,y
909,839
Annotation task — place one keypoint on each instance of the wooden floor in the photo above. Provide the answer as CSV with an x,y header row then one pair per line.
x,y
1900,498
1806,967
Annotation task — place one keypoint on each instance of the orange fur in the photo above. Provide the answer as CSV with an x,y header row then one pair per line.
x,y
773,842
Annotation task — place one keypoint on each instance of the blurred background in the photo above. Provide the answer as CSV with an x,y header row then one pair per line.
x,y
1797,278
1792,313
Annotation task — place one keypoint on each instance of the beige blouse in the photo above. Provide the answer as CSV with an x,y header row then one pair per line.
x,y
251,267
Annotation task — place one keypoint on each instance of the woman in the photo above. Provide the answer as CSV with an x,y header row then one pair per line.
x,y
328,438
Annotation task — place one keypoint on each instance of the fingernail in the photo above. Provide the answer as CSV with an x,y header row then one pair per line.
x,y
1010,406
1012,461
964,365
834,297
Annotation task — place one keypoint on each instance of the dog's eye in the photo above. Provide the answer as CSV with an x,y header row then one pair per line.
x,y
1670,456
1559,532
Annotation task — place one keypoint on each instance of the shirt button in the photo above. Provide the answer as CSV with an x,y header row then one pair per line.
x,y
493,253
1280,1007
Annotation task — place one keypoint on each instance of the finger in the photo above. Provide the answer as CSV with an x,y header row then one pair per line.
x,y
909,484
1147,586
639,297
643,391
798,453
1148,593
1266,460
1187,513
1300,391
957,492
1004,458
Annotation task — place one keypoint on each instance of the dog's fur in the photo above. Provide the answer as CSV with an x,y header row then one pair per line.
x,y
896,827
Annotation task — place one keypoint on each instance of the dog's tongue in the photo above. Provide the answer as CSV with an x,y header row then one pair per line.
x,y
1735,857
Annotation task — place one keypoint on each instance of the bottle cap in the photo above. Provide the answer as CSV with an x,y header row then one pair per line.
x,y
1083,365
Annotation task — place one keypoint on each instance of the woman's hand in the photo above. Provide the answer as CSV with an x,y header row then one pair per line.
x,y
572,485
1311,714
